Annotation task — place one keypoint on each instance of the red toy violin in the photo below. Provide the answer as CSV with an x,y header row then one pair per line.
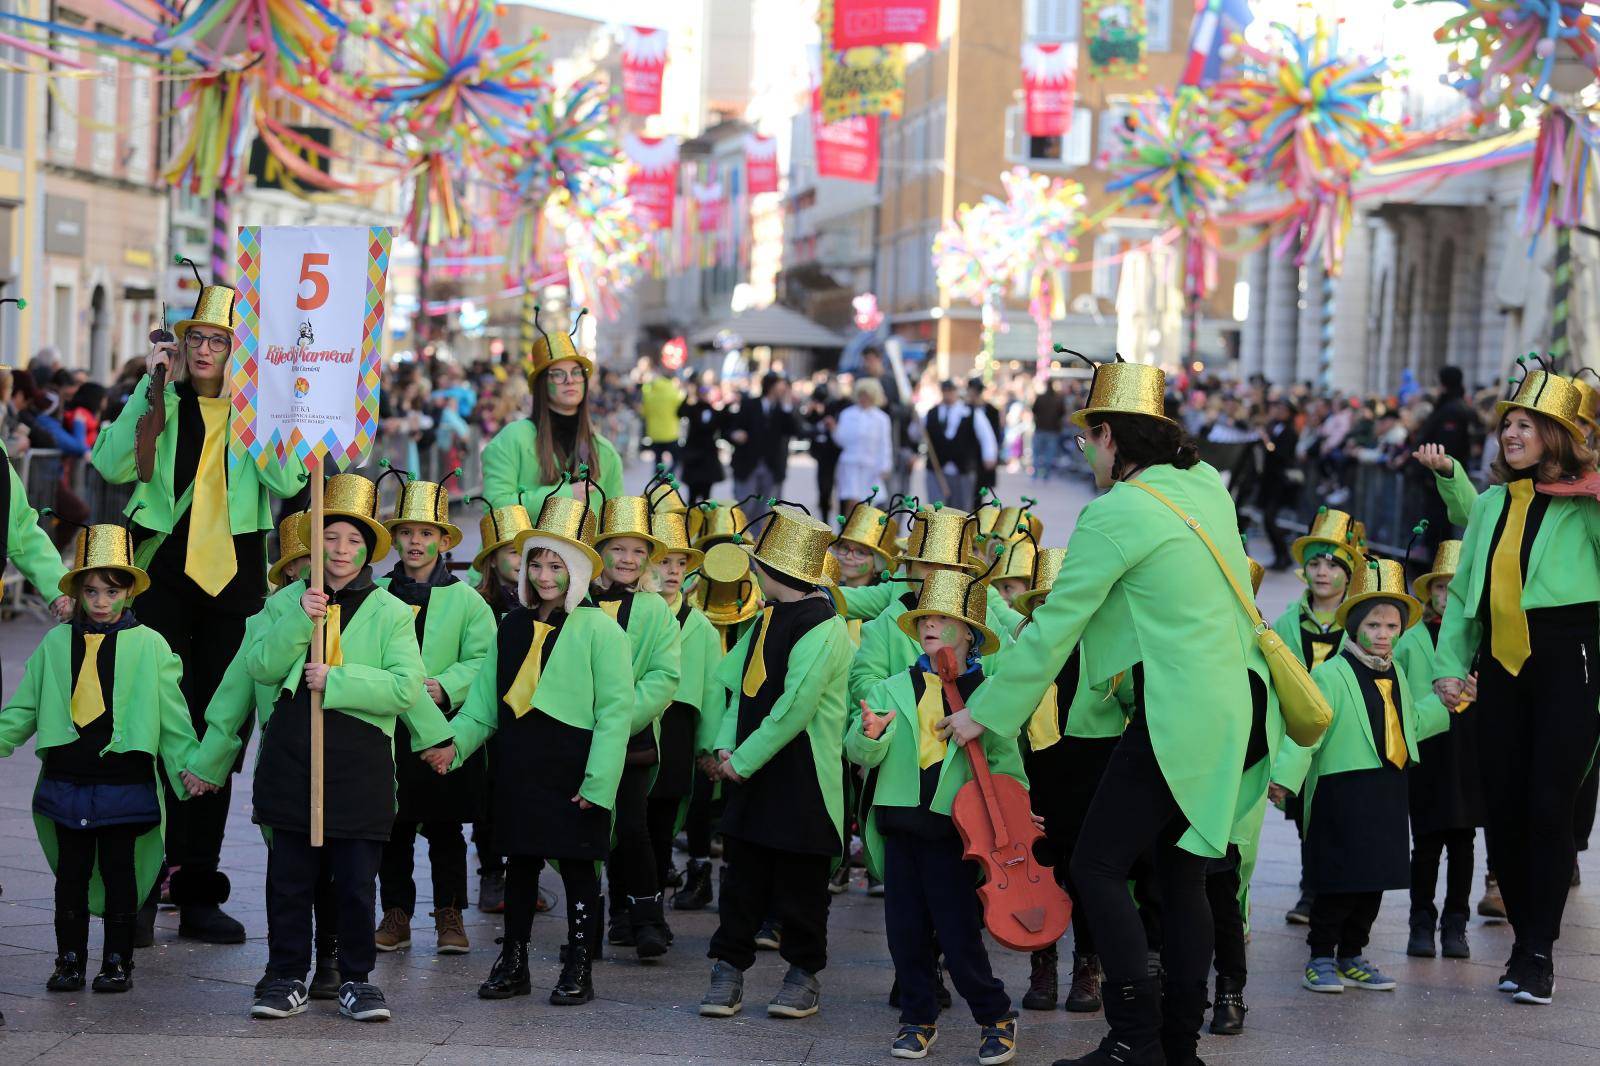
x,y
1023,906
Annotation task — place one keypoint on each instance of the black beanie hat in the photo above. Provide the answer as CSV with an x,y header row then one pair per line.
x,y
1358,613
785,580
367,536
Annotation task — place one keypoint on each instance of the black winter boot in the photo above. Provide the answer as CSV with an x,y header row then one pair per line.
x,y
1228,1009
325,977
509,975
695,895
199,895
1083,997
650,940
576,983
72,951
1423,920
1043,989
116,968
1183,1012
144,928
1133,1010
1453,937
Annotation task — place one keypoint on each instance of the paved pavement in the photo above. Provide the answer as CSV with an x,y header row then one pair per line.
x,y
190,1001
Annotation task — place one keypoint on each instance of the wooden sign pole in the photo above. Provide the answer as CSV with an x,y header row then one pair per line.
x,y
315,655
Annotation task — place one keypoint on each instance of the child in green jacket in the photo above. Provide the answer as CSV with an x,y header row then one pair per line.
x,y
911,841
101,694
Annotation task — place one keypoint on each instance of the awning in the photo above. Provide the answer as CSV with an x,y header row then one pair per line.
x,y
774,326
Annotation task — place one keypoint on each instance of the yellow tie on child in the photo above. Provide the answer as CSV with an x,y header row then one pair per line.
x,y
332,649
930,712
1509,640
755,675
519,697
209,560
88,702
1394,736
1044,727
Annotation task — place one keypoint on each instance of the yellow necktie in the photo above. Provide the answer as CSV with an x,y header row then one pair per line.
x,y
852,626
1509,641
1320,650
611,608
209,560
1044,728
1394,737
930,712
755,674
332,648
88,702
519,697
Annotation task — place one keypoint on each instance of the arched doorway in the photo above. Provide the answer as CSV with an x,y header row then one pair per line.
x,y
99,335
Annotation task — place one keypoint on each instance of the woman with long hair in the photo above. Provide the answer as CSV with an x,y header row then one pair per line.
x,y
1525,607
1176,779
525,460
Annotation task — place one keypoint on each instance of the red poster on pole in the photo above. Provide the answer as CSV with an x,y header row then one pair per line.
x,y
652,177
710,205
1049,84
761,164
644,60
847,149
870,23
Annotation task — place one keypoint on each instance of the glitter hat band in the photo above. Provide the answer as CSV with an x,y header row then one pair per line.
x,y
1546,393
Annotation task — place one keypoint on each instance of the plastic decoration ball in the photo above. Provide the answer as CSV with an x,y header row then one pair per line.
x,y
367,7
1545,48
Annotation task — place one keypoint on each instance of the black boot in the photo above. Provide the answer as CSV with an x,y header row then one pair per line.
x,y
1228,1009
1133,1010
576,983
325,978
68,975
509,975
650,940
1183,1012
144,926
1083,997
1453,937
1423,920
72,949
199,895
620,930
1042,986
116,967
695,895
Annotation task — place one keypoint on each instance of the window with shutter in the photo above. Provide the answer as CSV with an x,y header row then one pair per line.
x,y
1157,26
1052,20
1059,152
103,147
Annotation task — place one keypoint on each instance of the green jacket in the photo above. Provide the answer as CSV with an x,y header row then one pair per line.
x,y
249,510
148,714
580,686
27,544
1414,652
382,669
894,756
1563,568
653,636
511,468
813,703
1458,493
1291,625
886,650
1349,745
1197,699
456,636
699,655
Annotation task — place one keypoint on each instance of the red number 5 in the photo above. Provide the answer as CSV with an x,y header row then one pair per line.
x,y
319,281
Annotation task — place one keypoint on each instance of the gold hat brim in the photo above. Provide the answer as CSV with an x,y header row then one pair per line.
x,y
487,550
720,616
1346,552
68,585
381,539
1081,418
182,328
1579,434
821,580
1413,606
696,557
908,625
577,545
658,547
581,359
452,533
275,571
1422,587
884,557
1025,602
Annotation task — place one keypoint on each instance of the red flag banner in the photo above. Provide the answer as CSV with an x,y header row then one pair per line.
x,y
761,164
869,23
652,177
848,148
1049,84
709,205
644,59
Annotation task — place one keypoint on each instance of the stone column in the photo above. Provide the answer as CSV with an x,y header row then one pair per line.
x,y
1282,321
1252,334
1352,310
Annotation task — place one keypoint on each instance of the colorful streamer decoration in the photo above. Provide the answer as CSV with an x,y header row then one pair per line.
x,y
1506,51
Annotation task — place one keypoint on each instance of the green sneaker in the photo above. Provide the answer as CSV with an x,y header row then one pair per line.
x,y
1322,975
1360,972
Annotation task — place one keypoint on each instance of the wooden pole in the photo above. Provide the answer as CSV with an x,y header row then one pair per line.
x,y
315,654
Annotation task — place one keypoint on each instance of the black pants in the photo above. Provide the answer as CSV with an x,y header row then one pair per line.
x,y
1063,803
1536,736
76,851
1227,922
1341,922
1274,497
1583,815
788,887
490,861
697,822
324,909
447,858
632,866
581,885
1426,848
294,869
931,891
827,474
1134,811
661,816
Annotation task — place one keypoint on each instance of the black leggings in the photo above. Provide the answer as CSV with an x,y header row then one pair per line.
x,y
1425,851
1227,921
661,815
1133,811
581,883
632,869
76,850
697,823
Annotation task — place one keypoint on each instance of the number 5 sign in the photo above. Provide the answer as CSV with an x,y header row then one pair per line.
x,y
305,372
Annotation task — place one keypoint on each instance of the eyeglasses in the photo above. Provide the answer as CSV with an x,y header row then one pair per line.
x,y
1081,442
218,345
562,377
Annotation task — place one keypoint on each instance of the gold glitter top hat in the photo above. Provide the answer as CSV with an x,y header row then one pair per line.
x,y
671,530
499,527
662,492
715,521
1338,536
216,305
104,547
568,520
1381,579
1446,560
1017,560
942,536
793,543
727,592
426,503
352,497
629,516
952,594
1589,403
1046,565
871,528
1009,525
553,348
1124,388
1547,393
291,546
835,575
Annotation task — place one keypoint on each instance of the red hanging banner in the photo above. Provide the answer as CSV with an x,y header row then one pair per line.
x,y
847,149
761,164
652,177
870,23
1049,85
644,60
710,206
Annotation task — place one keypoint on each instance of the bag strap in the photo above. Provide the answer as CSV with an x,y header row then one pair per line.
x,y
1247,602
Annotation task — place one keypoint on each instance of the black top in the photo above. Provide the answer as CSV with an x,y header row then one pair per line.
x,y
1049,412
768,428
920,821
81,762
564,430
960,447
1446,787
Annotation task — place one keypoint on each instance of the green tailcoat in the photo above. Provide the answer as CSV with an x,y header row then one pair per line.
x,y
653,635
148,714
511,468
581,685
456,635
1458,493
886,650
1197,644
27,544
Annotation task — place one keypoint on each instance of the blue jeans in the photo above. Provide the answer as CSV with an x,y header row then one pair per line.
x,y
1046,453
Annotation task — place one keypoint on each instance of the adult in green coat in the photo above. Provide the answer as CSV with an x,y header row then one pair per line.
x,y
1174,782
25,543
1523,606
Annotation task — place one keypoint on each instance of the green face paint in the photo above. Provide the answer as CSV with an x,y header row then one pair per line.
x,y
949,633
433,550
551,388
1364,639
1090,452
507,565
361,556
563,581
